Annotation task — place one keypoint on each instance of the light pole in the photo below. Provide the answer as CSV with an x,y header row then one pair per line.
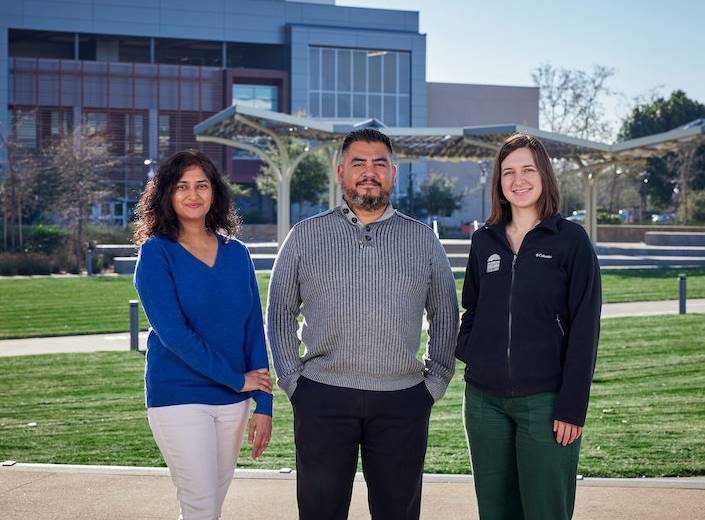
x,y
644,178
150,164
483,182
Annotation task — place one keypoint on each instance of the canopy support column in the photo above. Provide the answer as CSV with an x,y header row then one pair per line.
x,y
333,187
590,205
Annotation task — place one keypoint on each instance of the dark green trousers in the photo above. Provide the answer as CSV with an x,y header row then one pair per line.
x,y
520,471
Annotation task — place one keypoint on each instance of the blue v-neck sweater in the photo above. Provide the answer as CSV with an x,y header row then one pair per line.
x,y
206,323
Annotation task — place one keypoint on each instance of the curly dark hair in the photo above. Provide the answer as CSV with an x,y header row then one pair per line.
x,y
156,215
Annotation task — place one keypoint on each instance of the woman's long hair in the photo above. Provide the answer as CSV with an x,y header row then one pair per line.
x,y
550,199
155,213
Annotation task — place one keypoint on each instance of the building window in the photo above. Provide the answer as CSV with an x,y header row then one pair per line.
x,y
134,50
265,97
24,124
256,56
126,49
358,84
134,133
95,123
41,44
164,136
59,122
112,213
189,52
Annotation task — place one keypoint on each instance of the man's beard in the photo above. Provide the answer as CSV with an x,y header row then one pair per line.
x,y
367,202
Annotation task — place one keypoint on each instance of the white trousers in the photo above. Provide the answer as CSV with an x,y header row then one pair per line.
x,y
200,443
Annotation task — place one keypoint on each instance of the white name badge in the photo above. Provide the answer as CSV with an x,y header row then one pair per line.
x,y
493,263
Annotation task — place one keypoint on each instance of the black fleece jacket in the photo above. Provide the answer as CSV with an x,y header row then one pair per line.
x,y
532,321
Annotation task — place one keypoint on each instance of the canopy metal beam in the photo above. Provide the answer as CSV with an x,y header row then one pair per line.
x,y
238,126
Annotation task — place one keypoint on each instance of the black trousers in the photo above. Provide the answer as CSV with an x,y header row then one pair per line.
x,y
390,430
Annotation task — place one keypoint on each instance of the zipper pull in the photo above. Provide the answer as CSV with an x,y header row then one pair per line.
x,y
560,325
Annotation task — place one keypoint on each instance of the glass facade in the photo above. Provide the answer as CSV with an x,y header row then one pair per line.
x,y
265,97
360,84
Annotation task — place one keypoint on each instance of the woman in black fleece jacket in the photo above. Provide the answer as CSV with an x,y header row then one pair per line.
x,y
529,339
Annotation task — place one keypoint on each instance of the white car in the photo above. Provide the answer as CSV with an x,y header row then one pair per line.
x,y
577,216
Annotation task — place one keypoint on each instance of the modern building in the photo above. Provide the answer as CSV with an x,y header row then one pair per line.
x,y
144,72
147,71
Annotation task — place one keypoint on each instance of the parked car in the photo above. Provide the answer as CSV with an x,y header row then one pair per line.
x,y
663,218
577,216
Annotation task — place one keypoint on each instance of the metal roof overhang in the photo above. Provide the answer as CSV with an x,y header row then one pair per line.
x,y
244,127
453,144
659,144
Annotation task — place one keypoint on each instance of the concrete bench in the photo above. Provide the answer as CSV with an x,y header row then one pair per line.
x,y
125,264
674,238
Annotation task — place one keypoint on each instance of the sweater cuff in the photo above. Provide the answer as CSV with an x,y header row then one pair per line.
x,y
264,402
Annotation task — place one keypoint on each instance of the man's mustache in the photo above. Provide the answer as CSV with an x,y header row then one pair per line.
x,y
373,181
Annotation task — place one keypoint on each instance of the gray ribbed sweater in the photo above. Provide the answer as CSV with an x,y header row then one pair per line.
x,y
362,290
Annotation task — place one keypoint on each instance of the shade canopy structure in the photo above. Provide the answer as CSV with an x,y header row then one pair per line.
x,y
267,135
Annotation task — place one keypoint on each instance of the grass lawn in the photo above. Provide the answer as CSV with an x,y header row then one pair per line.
x,y
646,417
65,306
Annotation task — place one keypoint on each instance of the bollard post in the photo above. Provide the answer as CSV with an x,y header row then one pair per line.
x,y
134,325
681,293
89,262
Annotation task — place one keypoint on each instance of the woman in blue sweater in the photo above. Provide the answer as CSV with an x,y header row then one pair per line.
x,y
206,354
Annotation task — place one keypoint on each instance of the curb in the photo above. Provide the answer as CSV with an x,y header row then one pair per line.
x,y
290,474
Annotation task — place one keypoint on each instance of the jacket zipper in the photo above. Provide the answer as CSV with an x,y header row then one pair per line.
x,y
560,325
509,336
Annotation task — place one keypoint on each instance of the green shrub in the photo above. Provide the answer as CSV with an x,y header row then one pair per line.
x,y
98,263
604,217
108,234
25,264
46,239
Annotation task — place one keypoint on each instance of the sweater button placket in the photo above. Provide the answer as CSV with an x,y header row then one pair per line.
x,y
360,240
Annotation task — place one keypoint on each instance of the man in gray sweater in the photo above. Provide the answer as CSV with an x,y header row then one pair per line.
x,y
362,275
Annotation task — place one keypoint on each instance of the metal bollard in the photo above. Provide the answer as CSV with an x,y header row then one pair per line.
x,y
681,293
89,262
134,325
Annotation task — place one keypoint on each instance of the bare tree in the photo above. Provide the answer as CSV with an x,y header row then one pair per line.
x,y
571,101
79,161
683,163
17,188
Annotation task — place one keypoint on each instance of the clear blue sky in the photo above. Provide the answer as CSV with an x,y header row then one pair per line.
x,y
650,44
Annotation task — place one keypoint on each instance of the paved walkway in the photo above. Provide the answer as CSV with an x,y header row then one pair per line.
x,y
54,492
620,310
121,341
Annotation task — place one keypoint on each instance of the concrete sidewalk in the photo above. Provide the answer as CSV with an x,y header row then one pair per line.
x,y
621,310
121,341
55,492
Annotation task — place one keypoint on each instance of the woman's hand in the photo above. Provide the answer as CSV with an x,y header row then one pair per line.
x,y
260,433
566,432
257,380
